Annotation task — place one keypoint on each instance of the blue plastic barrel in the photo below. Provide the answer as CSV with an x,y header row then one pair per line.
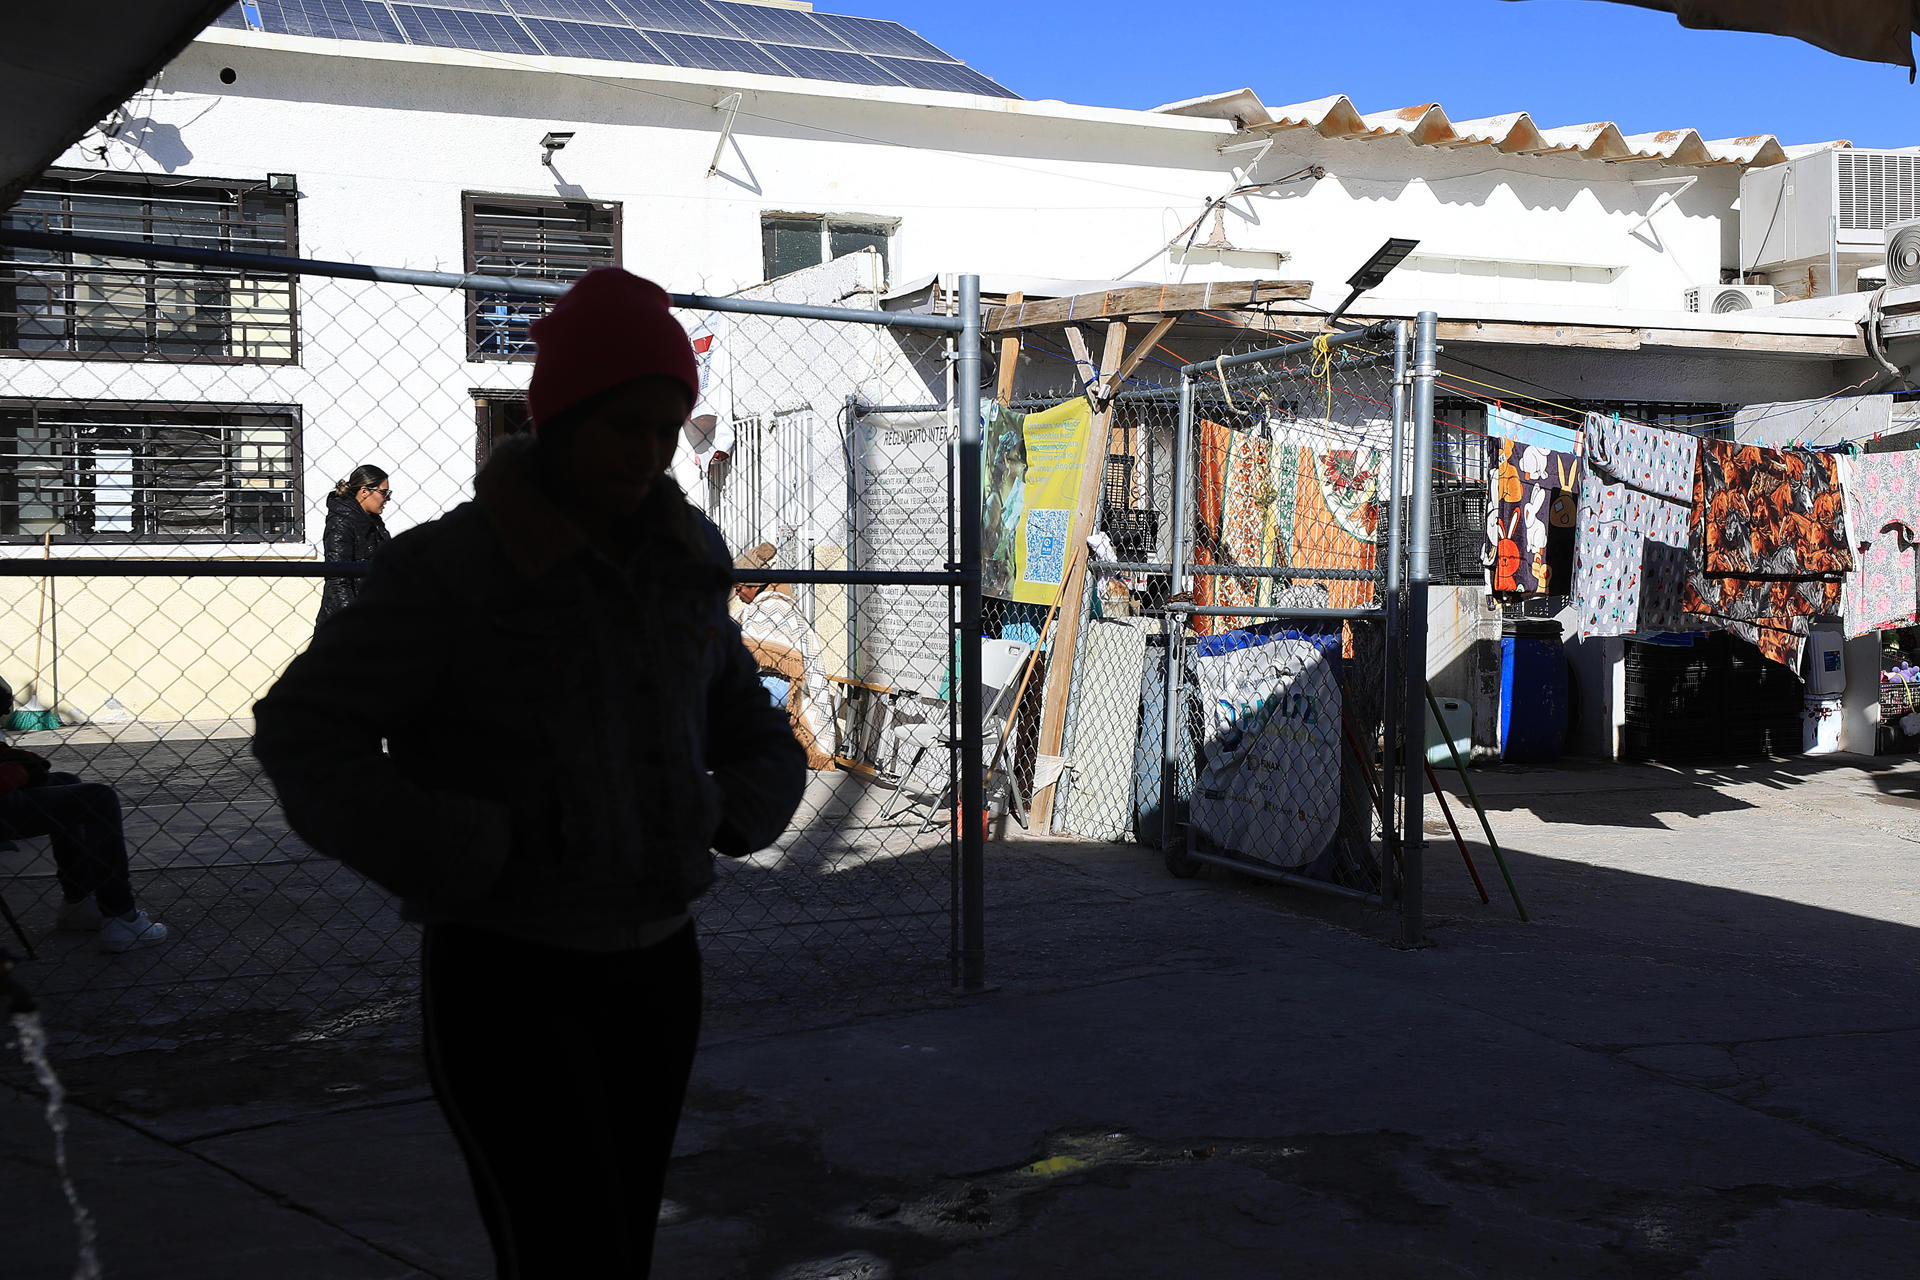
x,y
1534,691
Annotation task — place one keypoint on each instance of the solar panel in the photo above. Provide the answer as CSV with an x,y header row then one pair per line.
x,y
779,26
329,19
688,17
593,40
833,64
701,34
576,10
464,29
716,55
870,35
950,76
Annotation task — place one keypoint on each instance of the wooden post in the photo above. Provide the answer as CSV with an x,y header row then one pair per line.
x,y
1066,635
1009,357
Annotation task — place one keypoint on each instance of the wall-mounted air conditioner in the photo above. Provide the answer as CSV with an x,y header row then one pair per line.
x,y
1903,253
1843,198
1722,298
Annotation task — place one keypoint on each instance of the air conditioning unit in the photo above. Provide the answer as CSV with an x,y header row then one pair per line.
x,y
1843,198
1903,253
1722,298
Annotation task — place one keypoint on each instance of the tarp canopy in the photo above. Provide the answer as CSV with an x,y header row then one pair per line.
x,y
65,67
1871,30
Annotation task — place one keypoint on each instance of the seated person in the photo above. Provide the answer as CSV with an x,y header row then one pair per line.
x,y
782,642
89,850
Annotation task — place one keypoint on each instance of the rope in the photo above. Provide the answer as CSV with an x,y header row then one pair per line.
x,y
1322,367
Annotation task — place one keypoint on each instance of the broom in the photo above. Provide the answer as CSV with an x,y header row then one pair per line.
x,y
37,715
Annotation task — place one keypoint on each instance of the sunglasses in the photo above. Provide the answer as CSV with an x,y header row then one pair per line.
x,y
383,493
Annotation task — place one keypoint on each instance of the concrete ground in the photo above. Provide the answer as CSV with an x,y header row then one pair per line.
x,y
1698,1060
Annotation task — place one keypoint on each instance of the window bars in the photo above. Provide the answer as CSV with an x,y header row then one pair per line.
x,y
74,304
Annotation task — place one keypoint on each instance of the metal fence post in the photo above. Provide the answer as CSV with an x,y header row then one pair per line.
x,y
1176,547
1426,354
968,813
1392,773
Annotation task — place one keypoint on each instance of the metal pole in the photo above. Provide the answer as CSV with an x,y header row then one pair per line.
x,y
968,813
1833,256
1426,357
1176,627
1390,771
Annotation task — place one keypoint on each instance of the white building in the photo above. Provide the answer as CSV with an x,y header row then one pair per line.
x,y
712,146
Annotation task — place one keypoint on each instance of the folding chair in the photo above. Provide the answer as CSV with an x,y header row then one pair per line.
x,y
1001,662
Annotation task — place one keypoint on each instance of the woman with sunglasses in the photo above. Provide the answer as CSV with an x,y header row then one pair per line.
x,y
572,728
355,532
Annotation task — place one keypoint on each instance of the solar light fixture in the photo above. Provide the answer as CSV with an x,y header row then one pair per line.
x,y
1377,268
551,143
282,184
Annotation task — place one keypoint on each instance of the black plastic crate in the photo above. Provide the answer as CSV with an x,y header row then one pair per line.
x,y
1135,534
1459,534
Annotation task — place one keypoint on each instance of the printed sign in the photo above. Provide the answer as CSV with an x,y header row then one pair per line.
x,y
1033,468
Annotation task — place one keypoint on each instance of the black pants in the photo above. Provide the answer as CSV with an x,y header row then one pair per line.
x,y
89,849
562,1074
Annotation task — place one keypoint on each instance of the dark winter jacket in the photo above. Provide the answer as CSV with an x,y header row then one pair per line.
x,y
567,736
354,536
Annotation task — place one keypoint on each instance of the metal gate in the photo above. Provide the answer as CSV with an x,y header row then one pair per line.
x,y
160,522
1255,635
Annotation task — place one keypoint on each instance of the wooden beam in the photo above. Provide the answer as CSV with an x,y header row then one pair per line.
x,y
1009,356
1110,387
1083,359
1143,300
1592,337
1066,635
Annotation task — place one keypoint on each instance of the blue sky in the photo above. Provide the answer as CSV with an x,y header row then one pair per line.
x,y
1565,61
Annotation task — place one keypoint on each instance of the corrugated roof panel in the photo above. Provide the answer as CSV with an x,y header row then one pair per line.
x,y
1425,125
1512,134
1515,133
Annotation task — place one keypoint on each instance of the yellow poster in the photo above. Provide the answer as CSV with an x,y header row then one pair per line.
x,y
1032,492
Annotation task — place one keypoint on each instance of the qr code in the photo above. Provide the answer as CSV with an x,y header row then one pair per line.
x,y
1047,531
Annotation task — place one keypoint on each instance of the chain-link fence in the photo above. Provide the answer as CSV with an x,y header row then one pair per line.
x,y
1242,667
172,425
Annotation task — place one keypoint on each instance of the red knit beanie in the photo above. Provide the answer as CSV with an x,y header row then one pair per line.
x,y
610,328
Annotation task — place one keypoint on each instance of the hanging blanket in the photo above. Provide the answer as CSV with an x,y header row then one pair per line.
x,y
1883,505
1232,499
1335,515
1767,545
1530,518
1630,543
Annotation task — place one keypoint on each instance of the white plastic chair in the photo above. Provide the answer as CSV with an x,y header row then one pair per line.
x,y
1001,662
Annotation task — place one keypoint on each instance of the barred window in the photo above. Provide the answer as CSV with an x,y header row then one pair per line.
x,y
539,239
98,471
77,305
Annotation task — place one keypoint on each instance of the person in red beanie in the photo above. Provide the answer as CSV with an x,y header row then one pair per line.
x,y
572,728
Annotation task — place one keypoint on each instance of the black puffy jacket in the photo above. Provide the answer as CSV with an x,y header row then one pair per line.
x,y
354,536
567,735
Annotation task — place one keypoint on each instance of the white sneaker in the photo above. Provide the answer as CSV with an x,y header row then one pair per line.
x,y
124,935
79,917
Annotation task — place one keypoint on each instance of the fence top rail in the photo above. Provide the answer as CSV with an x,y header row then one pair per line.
x,y
1377,330
34,566
108,247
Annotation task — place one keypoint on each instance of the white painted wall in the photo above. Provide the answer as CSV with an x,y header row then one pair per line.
x,y
384,139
